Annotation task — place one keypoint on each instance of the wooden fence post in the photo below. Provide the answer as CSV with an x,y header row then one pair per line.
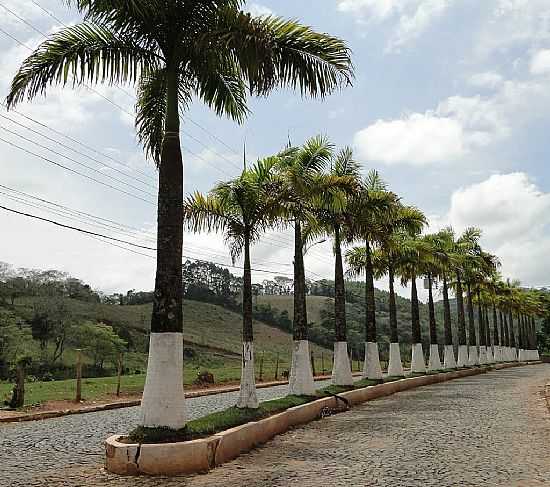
x,y
119,375
78,375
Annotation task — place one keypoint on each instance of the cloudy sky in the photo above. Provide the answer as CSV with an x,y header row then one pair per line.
x,y
451,103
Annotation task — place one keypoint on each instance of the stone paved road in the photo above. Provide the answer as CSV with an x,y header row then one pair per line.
x,y
488,430
31,450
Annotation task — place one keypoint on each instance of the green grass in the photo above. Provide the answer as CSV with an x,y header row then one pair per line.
x,y
366,383
216,422
286,303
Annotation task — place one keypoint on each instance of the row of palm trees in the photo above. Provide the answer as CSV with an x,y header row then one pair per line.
x,y
320,193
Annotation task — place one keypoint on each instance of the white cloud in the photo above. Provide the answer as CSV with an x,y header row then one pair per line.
x,y
416,139
512,212
540,62
412,17
487,79
457,127
512,23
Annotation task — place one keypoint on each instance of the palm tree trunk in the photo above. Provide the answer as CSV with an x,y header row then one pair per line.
x,y
417,360
482,334
301,374
247,392
434,361
473,358
394,336
341,373
372,368
163,399
462,344
395,366
490,352
497,353
449,361
300,326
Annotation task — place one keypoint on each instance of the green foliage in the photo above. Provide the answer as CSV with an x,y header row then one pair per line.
x,y
99,341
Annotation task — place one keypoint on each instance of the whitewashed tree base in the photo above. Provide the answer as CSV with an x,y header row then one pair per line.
x,y
462,355
497,354
395,366
536,355
300,381
163,401
522,355
482,355
417,359
372,368
247,392
473,358
449,361
341,369
490,357
434,363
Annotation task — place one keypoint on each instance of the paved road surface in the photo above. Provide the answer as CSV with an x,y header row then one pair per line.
x,y
487,430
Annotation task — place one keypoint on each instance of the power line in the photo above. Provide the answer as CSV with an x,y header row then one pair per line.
x,y
90,168
75,171
126,242
76,151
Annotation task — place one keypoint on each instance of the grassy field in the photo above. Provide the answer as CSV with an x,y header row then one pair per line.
x,y
211,333
104,388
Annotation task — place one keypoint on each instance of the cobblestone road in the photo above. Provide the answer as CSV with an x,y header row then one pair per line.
x,y
487,430
30,451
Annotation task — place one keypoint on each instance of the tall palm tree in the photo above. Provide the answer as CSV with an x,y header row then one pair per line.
x,y
300,170
174,51
332,210
242,209
387,229
370,212
432,267
444,247
469,247
410,268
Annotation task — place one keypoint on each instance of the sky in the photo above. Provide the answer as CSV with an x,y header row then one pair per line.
x,y
450,103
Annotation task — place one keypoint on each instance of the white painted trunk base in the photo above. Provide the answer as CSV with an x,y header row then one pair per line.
x,y
341,369
490,358
506,354
247,392
417,359
395,366
536,355
449,361
371,367
497,354
522,355
514,354
163,401
300,381
482,355
434,363
473,358
462,355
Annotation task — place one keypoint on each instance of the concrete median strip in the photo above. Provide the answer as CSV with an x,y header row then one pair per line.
x,y
205,454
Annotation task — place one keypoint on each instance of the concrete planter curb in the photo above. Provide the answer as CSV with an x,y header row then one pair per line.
x,y
204,454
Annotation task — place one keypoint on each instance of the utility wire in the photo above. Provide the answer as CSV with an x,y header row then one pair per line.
x,y
75,171
126,242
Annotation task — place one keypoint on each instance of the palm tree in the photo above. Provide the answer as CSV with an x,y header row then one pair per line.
x,y
370,211
432,268
242,209
387,229
444,247
469,245
174,51
410,267
332,213
300,170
